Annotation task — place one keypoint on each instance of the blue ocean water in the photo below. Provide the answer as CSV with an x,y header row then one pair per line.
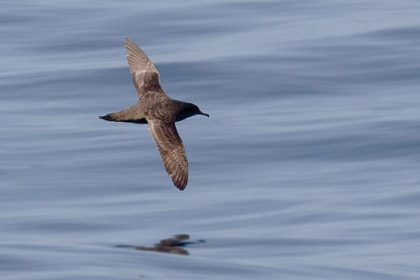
x,y
308,167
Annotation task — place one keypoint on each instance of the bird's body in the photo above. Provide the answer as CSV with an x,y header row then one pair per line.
x,y
159,111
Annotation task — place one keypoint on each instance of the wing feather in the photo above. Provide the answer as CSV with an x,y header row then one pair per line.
x,y
144,73
137,59
171,150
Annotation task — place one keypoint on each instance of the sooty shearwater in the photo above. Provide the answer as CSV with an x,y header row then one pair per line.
x,y
159,112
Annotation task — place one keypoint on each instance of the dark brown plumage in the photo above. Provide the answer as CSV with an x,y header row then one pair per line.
x,y
159,112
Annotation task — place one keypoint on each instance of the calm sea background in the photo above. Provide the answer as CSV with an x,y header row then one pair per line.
x,y
308,167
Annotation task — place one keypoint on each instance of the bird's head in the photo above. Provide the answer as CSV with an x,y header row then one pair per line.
x,y
190,110
194,110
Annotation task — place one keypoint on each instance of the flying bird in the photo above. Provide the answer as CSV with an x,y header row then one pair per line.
x,y
159,112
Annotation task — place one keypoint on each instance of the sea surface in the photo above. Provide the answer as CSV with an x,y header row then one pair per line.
x,y
307,169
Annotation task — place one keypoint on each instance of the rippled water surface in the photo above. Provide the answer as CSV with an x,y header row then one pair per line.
x,y
308,167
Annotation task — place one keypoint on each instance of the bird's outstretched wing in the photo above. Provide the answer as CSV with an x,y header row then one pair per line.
x,y
144,73
171,150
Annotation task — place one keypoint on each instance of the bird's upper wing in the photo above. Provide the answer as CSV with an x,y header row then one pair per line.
x,y
171,150
142,69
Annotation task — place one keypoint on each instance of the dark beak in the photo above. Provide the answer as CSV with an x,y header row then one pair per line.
x,y
204,114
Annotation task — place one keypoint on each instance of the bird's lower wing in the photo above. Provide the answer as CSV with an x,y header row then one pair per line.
x,y
171,150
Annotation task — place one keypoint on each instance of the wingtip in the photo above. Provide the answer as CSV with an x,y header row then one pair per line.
x,y
128,41
180,185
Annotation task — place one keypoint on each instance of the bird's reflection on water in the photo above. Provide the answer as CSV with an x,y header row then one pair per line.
x,y
174,245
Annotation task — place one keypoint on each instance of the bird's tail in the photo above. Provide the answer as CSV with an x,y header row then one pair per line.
x,y
107,117
132,114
